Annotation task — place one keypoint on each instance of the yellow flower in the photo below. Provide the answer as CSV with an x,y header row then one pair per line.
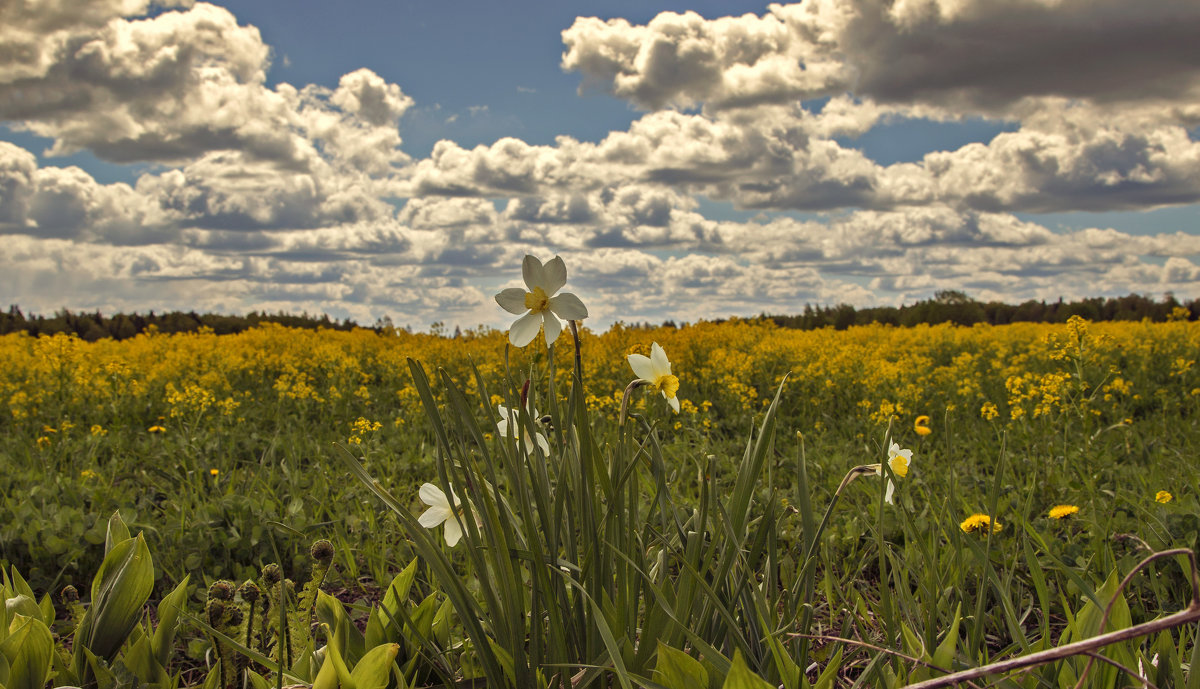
x,y
1163,497
214,472
1062,511
989,411
87,473
156,429
979,522
921,425
43,441
48,429
898,462
98,430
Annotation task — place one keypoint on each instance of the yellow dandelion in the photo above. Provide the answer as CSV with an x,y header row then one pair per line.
x,y
1163,497
214,472
1062,511
156,429
979,522
921,425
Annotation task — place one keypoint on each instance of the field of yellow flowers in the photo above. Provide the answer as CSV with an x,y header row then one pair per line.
x,y
178,426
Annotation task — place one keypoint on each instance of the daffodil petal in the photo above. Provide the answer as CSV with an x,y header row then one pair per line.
x,y
453,532
555,272
552,326
433,496
533,272
541,441
568,306
433,516
674,402
658,361
640,364
512,300
887,497
525,329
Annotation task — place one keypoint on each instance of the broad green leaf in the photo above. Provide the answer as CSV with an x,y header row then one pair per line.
x,y
333,673
29,651
675,669
742,677
22,605
117,532
375,667
119,590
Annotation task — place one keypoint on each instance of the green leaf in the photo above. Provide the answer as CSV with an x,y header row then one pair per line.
x,y
829,674
28,650
119,590
675,669
333,673
742,677
117,532
943,655
162,643
375,667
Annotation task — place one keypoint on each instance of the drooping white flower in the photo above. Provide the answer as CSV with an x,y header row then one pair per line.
x,y
899,461
509,419
656,370
441,510
540,305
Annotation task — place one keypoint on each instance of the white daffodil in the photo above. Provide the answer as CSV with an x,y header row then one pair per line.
x,y
656,370
899,461
509,419
441,510
540,306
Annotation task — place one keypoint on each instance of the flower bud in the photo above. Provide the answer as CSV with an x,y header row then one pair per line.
x,y
221,590
271,574
249,591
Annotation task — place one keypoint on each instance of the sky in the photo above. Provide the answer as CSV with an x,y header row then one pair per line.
x,y
688,160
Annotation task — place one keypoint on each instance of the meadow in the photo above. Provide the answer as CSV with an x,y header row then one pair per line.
x,y
749,539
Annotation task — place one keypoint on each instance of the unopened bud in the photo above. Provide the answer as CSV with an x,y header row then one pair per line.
x,y
322,550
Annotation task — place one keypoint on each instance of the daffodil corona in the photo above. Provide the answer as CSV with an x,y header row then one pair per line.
x,y
898,461
539,304
656,371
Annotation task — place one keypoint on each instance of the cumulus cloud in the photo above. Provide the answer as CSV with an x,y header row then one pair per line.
x,y
981,56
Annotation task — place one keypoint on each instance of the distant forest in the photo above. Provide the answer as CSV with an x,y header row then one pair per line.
x,y
947,306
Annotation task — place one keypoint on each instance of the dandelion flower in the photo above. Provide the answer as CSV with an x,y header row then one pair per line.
x,y
1062,511
509,419
1163,497
898,461
156,429
214,472
540,306
921,425
656,370
979,522
441,510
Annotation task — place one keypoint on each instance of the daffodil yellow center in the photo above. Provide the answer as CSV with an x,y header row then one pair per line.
x,y
668,385
899,465
537,301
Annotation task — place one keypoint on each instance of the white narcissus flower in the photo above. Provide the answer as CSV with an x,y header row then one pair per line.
x,y
508,418
899,461
656,370
441,510
540,306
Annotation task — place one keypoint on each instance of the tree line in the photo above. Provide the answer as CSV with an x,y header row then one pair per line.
x,y
952,306
947,306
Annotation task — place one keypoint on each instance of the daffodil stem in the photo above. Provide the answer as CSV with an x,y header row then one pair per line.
x,y
633,385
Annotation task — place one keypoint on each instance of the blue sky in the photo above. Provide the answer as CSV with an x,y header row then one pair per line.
x,y
687,160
